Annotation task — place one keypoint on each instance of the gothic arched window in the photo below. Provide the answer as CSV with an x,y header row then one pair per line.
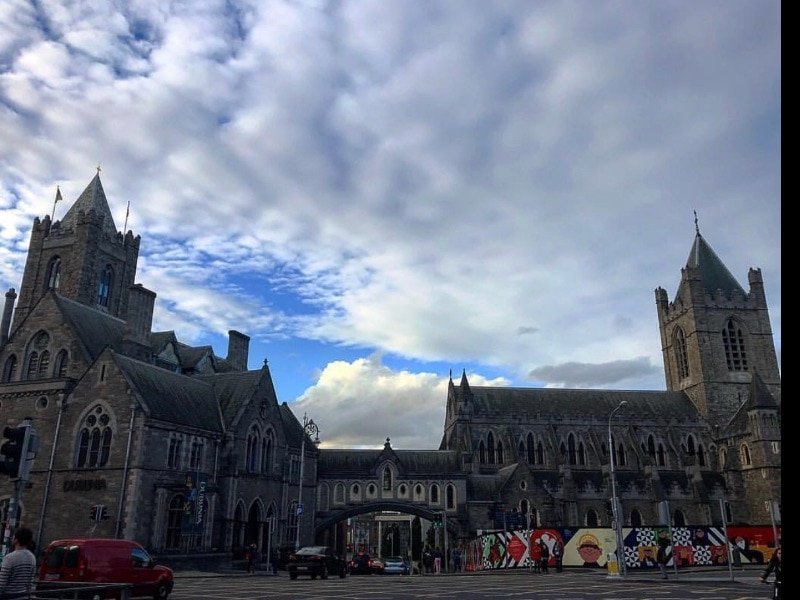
x,y
435,494
94,440
338,493
636,518
490,447
251,455
482,453
387,480
450,494
33,365
581,454
678,518
572,457
54,273
681,357
531,449
266,453
44,362
104,286
521,450
499,452
621,456
662,459
540,453
10,369
62,362
591,518
701,456
733,340
651,446
746,462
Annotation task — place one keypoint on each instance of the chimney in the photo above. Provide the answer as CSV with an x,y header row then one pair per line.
x,y
5,324
238,350
138,322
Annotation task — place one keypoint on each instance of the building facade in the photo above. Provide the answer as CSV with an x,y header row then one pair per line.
x,y
186,450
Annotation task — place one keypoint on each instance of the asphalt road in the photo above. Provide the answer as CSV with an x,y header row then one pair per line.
x,y
571,584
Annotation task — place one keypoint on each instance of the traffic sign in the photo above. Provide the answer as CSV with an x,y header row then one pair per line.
x,y
299,510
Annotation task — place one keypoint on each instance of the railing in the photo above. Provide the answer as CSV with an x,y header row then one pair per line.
x,y
54,589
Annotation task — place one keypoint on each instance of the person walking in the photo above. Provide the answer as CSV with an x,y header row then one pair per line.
x,y
251,555
19,567
661,555
544,554
774,565
558,551
437,561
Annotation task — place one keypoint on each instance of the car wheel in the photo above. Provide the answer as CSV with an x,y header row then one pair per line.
x,y
161,592
342,572
292,575
324,572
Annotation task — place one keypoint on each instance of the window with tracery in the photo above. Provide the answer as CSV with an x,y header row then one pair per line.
x,y
681,356
94,439
733,340
62,362
387,480
450,495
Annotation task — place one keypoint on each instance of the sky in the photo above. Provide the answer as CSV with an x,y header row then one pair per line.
x,y
382,193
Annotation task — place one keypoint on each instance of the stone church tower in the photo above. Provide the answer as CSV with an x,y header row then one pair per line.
x,y
718,348
83,257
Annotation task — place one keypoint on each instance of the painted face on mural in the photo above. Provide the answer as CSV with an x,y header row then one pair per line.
x,y
589,549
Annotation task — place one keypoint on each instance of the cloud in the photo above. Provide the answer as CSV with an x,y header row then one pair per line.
x,y
361,403
500,185
586,375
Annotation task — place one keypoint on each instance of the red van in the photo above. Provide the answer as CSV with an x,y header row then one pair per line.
x,y
105,561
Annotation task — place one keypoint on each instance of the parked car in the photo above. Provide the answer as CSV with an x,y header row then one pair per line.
x,y
363,564
316,561
396,564
105,561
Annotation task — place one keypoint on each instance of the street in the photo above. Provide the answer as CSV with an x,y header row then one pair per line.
x,y
491,585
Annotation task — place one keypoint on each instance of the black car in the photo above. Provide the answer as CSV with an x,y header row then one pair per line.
x,y
316,561
364,564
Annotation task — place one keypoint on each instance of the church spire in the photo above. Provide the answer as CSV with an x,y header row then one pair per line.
x,y
93,198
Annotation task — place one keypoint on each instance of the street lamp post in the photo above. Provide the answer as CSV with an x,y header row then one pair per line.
x,y
615,504
309,428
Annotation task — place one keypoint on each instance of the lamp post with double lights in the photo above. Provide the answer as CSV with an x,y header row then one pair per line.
x,y
615,504
309,428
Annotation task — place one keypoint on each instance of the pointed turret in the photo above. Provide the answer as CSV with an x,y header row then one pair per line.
x,y
92,199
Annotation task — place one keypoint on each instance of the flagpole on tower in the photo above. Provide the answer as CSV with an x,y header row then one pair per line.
x,y
58,197
127,214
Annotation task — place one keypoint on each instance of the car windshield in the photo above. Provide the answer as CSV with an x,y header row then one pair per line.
x,y
394,559
311,550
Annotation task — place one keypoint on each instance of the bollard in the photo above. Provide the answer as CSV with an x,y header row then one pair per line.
x,y
613,565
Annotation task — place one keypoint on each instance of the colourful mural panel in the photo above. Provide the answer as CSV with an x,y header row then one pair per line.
x,y
590,547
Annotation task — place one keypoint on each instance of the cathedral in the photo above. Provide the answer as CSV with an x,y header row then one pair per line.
x,y
187,451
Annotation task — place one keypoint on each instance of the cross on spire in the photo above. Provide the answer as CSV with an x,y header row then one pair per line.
x,y
696,226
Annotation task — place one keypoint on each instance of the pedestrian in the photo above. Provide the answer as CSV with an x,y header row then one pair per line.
x,y
427,559
774,565
251,556
544,554
558,551
437,560
661,555
457,559
19,567
273,560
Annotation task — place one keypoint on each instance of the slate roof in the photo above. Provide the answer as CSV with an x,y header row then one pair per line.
x,y
413,463
93,198
172,397
714,275
545,403
292,428
95,329
159,340
233,390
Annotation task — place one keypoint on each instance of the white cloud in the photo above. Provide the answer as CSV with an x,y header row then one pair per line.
x,y
363,402
432,179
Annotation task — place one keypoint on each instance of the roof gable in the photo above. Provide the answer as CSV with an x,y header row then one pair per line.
x,y
92,199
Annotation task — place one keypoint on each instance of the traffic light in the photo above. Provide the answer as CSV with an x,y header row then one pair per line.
x,y
98,512
13,450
